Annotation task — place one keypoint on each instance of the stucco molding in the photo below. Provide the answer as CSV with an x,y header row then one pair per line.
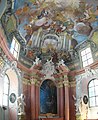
x,y
66,83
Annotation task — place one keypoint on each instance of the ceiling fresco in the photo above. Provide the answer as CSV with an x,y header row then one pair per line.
x,y
51,27
73,17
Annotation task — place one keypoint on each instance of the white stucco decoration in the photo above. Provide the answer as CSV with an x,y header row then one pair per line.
x,y
48,69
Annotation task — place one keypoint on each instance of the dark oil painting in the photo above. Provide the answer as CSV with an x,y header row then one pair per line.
x,y
48,97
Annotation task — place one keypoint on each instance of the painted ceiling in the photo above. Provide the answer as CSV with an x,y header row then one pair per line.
x,y
74,19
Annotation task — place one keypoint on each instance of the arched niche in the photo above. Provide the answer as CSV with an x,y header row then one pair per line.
x,y
48,97
13,74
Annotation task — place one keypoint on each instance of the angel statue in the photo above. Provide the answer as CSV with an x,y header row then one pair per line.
x,y
21,104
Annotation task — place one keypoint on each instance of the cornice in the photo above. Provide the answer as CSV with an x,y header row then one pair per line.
x,y
81,71
3,45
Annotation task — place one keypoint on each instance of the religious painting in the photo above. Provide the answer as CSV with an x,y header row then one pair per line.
x,y
48,97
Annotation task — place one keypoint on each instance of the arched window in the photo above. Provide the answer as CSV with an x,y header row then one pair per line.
x,y
93,93
5,91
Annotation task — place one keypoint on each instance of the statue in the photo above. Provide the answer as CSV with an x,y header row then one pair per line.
x,y
77,104
61,62
48,68
37,61
21,104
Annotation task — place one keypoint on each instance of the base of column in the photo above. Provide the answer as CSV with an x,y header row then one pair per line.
x,y
21,116
78,116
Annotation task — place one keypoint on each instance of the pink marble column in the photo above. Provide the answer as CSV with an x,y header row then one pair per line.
x,y
33,102
61,101
66,84
37,108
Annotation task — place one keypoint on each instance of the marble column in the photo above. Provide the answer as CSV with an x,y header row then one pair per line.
x,y
61,100
72,92
37,108
33,101
66,85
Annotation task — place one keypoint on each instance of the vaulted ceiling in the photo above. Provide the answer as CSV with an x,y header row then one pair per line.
x,y
60,24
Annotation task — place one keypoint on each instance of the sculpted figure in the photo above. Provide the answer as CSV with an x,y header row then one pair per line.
x,y
77,104
21,104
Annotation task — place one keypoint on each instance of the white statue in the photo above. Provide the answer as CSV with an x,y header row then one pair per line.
x,y
37,61
48,68
21,104
61,62
77,104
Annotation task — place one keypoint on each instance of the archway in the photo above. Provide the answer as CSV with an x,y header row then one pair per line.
x,y
10,89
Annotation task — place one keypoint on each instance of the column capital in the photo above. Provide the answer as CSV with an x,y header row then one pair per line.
x,y
35,81
65,77
66,83
26,81
72,84
60,84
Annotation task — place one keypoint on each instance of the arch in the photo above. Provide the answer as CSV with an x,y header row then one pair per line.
x,y
14,76
52,79
6,77
93,92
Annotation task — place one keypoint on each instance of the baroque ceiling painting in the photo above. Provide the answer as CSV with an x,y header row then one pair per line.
x,y
51,29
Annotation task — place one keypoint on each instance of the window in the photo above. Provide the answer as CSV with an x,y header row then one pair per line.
x,y
15,47
86,57
93,93
5,91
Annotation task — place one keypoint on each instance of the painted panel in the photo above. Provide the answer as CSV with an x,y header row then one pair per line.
x,y
48,97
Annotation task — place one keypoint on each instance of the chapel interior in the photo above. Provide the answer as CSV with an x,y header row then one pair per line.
x,y
49,59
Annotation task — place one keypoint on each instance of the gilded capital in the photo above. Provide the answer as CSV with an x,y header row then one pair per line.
x,y
26,81
73,84
66,83
35,81
60,84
